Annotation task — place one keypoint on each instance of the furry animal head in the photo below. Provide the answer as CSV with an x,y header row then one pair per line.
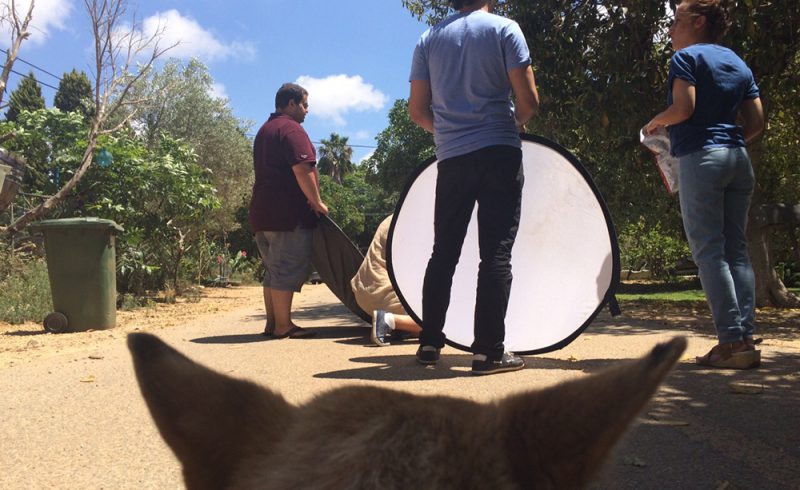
x,y
229,433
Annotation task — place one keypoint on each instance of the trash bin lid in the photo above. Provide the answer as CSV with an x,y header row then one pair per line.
x,y
75,223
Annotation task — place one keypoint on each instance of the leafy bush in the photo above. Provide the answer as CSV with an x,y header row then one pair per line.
x,y
789,273
162,198
128,302
649,247
24,288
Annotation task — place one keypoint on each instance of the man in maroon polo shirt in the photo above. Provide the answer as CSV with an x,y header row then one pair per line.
x,y
285,206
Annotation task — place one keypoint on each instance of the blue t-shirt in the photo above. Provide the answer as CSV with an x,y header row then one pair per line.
x,y
466,59
722,81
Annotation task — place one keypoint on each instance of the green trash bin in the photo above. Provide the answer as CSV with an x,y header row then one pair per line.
x,y
81,263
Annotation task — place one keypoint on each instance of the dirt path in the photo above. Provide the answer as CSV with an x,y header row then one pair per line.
x,y
20,344
73,416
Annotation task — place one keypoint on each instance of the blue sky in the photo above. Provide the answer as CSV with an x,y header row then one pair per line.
x,y
352,55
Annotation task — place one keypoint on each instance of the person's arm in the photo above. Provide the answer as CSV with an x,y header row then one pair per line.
x,y
306,175
526,103
753,114
419,104
682,108
315,176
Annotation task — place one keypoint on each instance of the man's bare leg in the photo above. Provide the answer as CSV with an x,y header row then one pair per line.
x,y
282,311
270,327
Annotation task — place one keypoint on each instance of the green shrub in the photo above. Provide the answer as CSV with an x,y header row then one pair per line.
x,y
129,301
643,247
789,273
24,290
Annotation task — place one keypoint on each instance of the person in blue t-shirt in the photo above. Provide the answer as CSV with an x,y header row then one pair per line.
x,y
463,72
714,112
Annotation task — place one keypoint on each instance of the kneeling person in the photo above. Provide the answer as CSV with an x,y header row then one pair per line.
x,y
374,293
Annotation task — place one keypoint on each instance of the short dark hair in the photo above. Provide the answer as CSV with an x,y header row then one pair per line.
x,y
288,92
717,14
459,4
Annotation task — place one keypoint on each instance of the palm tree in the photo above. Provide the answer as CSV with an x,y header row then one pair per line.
x,y
335,157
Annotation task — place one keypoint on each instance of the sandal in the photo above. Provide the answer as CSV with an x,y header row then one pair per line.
x,y
733,355
296,333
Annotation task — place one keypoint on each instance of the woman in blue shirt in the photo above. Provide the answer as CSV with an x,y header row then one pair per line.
x,y
714,111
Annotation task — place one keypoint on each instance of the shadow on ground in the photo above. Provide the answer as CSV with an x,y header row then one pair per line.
x,y
702,431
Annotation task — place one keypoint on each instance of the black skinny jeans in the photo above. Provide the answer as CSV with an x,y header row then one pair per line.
x,y
492,177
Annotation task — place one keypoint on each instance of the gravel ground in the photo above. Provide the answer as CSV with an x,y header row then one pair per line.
x,y
73,416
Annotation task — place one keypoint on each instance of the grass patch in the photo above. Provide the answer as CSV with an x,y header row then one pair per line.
x,y
25,293
682,290
692,295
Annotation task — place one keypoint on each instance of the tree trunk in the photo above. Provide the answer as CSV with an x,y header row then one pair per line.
x,y
770,290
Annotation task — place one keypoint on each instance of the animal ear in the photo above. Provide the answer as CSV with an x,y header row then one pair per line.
x,y
209,420
559,437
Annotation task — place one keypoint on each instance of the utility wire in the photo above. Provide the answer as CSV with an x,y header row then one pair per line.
x,y
33,66
33,78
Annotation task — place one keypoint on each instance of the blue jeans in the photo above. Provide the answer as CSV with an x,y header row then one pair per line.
x,y
715,189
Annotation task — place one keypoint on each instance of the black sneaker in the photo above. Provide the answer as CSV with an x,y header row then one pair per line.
x,y
427,354
508,362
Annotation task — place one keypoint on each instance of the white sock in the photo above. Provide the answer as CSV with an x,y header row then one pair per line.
x,y
389,319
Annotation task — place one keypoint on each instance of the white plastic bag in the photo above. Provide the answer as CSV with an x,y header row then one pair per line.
x,y
658,144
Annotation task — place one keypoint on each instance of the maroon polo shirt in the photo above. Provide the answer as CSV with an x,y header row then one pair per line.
x,y
278,203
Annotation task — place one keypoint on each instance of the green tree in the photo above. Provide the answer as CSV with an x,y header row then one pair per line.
x,y
26,97
767,34
356,206
52,142
601,72
183,106
162,197
75,94
402,146
118,47
335,157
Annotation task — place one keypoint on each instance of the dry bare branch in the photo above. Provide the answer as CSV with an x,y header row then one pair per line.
x,y
118,51
19,32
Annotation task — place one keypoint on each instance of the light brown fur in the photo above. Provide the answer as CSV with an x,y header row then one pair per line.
x,y
229,433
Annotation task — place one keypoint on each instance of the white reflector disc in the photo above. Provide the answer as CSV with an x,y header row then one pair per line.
x,y
565,260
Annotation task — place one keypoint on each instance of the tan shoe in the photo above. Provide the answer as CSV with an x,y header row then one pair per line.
x,y
733,355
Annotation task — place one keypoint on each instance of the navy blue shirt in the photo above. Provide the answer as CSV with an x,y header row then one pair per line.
x,y
722,81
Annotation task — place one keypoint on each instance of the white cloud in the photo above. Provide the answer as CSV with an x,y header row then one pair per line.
x,y
362,135
48,15
192,39
366,157
336,95
218,91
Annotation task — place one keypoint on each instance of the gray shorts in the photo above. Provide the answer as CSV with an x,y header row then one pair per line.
x,y
286,256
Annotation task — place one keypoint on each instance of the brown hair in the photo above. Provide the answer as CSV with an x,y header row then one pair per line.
x,y
717,14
